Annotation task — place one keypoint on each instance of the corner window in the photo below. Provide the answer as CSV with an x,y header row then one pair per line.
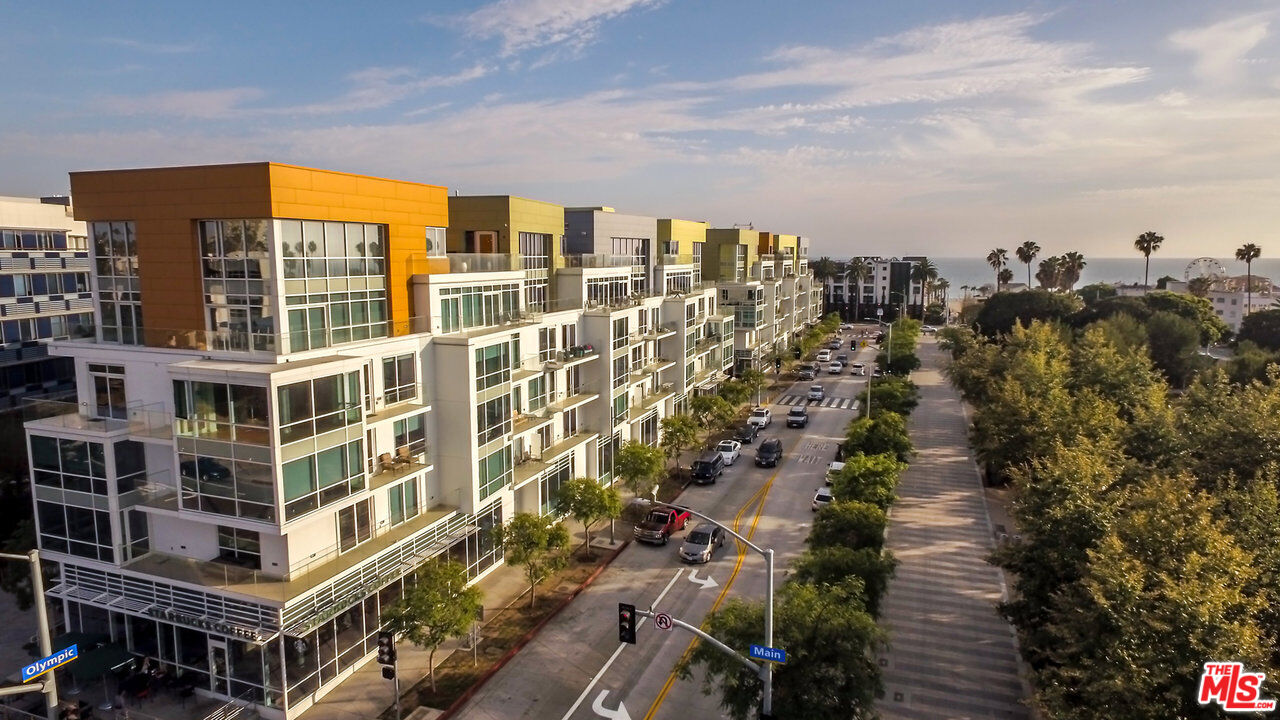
x,y
239,547
399,380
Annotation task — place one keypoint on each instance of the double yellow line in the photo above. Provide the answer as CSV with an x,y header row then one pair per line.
x,y
758,500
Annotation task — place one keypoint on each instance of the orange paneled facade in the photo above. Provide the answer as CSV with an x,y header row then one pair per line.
x,y
166,203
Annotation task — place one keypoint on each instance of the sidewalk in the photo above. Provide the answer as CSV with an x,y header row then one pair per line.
x,y
950,654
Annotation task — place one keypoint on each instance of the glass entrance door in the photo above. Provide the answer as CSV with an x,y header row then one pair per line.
x,y
219,673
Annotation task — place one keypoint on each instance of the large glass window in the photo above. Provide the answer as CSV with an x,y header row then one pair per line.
x,y
495,472
313,407
551,481
115,255
240,547
410,436
493,366
402,500
354,525
236,413
237,275
399,379
236,488
344,267
463,308
77,531
131,465
493,419
69,464
326,477
108,390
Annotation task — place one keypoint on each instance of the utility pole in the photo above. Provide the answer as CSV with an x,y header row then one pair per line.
x,y
43,637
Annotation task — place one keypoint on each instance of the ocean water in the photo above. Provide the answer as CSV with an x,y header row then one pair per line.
x,y
974,271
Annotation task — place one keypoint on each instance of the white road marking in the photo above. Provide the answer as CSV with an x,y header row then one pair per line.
x,y
602,711
709,582
618,652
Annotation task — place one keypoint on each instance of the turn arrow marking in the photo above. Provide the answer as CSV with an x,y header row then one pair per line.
x,y
602,711
708,582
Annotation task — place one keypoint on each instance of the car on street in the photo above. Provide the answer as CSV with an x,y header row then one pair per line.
x,y
835,344
858,369
821,498
660,523
817,393
806,372
798,417
843,358
729,450
833,470
929,330
876,373
835,368
760,417
824,356
707,468
746,434
701,543
770,453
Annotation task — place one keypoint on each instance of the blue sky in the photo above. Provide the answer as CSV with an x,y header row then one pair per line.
x,y
943,127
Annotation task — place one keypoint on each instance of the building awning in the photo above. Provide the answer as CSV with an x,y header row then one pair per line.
x,y
100,661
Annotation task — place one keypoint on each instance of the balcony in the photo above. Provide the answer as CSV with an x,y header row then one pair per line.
x,y
483,262
658,332
571,399
323,565
597,260
648,401
142,423
571,356
531,420
535,463
389,467
654,365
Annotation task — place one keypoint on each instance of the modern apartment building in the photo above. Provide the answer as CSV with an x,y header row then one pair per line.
x,y
318,382
44,296
887,287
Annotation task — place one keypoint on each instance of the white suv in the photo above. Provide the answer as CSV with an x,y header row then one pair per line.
x,y
824,355
859,369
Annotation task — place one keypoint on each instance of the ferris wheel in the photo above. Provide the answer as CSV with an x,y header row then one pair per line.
x,y
1205,267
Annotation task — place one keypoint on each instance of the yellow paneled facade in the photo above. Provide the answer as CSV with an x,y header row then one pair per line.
x,y
682,234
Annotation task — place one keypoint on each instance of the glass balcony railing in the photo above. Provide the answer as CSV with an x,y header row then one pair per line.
x,y
144,421
483,262
597,260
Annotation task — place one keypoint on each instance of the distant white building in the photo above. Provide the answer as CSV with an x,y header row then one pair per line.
x,y
1227,296
888,286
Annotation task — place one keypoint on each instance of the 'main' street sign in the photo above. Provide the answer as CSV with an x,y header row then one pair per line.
x,y
760,652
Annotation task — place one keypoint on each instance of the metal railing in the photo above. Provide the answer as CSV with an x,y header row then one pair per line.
x,y
597,260
483,262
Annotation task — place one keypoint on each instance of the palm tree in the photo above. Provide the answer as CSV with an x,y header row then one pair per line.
x,y
997,259
1147,243
1247,254
1005,276
943,286
1072,265
924,272
1199,286
857,273
1027,253
1050,273
823,268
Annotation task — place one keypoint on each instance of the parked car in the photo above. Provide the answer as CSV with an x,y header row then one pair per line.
x,y
204,468
929,330
760,417
700,544
835,368
729,450
660,523
821,498
834,344
876,373
798,417
817,393
833,469
824,356
746,434
707,468
770,453
858,369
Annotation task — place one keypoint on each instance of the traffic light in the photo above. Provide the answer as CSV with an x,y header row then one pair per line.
x,y
388,673
626,623
777,363
386,648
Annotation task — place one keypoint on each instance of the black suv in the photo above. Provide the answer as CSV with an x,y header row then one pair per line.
x,y
770,453
798,417
746,434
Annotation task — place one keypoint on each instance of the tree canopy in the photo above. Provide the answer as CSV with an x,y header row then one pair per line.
x,y
1002,311
437,605
534,543
587,501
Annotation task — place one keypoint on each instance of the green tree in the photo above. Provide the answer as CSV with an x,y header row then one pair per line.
x,y
1027,253
533,543
679,432
895,394
735,392
1262,329
869,478
1071,266
711,411
1249,363
823,268
833,565
857,273
848,523
754,380
1230,430
1134,631
1175,344
1196,309
1049,273
1005,276
884,433
830,673
924,272
587,501
997,259
1091,294
640,467
1246,254
439,606
1147,243
1000,313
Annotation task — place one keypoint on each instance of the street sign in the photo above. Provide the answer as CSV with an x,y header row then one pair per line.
x,y
662,621
760,652
44,665
879,312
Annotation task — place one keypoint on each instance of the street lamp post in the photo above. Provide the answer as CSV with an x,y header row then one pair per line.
x,y
43,638
766,669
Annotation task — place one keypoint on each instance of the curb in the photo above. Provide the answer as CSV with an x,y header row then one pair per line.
x,y
533,632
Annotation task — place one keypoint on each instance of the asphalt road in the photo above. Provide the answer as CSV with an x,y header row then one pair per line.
x,y
576,669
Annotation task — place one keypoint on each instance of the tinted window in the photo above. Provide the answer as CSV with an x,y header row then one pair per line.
x,y
698,537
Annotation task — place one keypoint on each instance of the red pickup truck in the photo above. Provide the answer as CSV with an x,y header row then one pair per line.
x,y
660,523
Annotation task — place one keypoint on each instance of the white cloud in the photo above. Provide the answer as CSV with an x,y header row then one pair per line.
x,y
150,47
529,24
1220,48
187,104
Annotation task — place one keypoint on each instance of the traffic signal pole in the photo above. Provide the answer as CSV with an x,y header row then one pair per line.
x,y
43,636
387,659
